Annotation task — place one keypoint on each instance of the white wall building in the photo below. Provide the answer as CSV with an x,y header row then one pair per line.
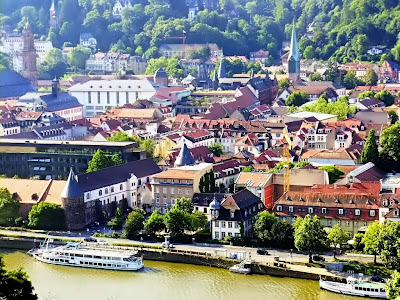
x,y
97,96
13,46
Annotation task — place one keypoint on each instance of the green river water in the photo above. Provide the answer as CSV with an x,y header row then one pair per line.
x,y
160,280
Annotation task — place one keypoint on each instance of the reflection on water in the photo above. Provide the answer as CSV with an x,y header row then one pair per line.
x,y
159,280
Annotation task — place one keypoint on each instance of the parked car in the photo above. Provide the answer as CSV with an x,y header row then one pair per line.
x,y
262,252
318,258
102,242
376,278
90,239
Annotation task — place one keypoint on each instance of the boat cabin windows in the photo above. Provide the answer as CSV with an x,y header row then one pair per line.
x,y
366,289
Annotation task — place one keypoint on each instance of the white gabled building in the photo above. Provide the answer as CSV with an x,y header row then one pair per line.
x,y
127,182
97,96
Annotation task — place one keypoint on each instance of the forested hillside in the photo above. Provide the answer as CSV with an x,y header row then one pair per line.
x,y
344,27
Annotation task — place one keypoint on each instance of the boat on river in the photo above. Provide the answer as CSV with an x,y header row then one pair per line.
x,y
355,287
243,267
76,255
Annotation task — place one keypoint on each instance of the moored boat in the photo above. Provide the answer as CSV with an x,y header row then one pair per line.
x,y
242,268
355,287
73,254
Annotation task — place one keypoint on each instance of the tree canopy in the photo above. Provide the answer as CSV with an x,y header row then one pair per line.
x,y
390,148
309,235
333,173
341,108
216,149
296,99
9,207
134,223
15,284
370,152
47,216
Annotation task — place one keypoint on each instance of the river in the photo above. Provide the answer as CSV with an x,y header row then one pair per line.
x,y
160,280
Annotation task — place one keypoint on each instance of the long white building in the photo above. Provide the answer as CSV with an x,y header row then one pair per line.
x,y
13,46
97,96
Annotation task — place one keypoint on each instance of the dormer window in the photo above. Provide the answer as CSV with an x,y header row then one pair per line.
x,y
372,213
291,209
232,213
357,212
340,211
310,210
279,208
323,210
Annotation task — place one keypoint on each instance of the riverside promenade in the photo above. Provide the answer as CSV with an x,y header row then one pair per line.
x,y
290,264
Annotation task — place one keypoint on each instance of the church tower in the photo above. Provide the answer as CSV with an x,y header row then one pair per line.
x,y
29,68
294,58
53,16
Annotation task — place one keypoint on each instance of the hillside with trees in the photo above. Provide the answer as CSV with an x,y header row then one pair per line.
x,y
343,29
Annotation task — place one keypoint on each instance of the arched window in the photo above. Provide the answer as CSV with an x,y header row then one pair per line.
x,y
120,187
100,192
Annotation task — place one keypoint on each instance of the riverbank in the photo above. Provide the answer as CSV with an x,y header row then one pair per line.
x,y
281,269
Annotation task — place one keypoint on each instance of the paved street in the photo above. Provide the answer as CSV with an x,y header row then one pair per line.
x,y
220,250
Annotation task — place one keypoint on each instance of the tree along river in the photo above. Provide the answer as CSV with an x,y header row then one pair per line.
x,y
160,280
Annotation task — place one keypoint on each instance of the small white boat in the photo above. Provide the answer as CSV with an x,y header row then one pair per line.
x,y
243,268
72,254
355,287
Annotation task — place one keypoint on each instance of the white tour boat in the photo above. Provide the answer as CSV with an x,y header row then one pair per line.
x,y
355,287
74,255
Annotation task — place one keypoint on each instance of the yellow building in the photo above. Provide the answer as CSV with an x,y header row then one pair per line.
x,y
164,145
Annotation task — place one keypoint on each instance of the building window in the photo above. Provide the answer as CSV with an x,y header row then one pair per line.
x,y
172,200
100,192
187,192
310,210
164,199
117,94
108,97
329,222
338,222
229,224
291,209
223,224
230,233
172,190
88,196
216,223
232,212
98,97
347,223
106,190
205,210
217,235
158,198
112,189
223,234
372,213
164,190
127,97
340,211
278,208
89,97
120,187
236,224
323,210
357,212
179,191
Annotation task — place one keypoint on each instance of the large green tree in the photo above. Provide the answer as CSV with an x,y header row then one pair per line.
x,y
47,216
389,244
15,285
155,223
185,205
99,161
283,234
334,173
134,223
370,151
77,57
170,65
53,65
393,286
263,225
117,221
9,207
175,221
370,77
337,237
390,148
296,99
216,149
309,235
371,239
394,117
386,97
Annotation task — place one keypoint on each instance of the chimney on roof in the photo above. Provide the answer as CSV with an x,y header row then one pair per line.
x,y
55,87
